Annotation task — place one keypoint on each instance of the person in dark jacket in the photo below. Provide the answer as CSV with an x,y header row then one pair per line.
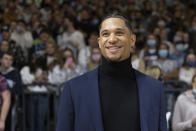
x,y
13,79
114,96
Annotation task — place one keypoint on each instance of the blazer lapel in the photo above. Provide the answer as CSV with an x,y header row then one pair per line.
x,y
94,101
140,79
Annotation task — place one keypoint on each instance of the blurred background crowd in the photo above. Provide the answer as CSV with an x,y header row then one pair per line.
x,y
47,42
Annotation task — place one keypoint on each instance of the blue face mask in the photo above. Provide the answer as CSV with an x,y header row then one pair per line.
x,y
152,51
163,53
194,92
18,29
151,42
177,38
95,21
191,63
180,47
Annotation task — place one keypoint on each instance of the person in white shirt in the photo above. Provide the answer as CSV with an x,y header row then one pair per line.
x,y
85,53
22,37
71,37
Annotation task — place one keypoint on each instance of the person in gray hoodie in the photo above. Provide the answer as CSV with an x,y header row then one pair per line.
x,y
184,117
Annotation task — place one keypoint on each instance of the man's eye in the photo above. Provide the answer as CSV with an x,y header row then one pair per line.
x,y
105,34
119,33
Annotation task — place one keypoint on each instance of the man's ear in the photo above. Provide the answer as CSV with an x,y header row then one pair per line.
x,y
133,40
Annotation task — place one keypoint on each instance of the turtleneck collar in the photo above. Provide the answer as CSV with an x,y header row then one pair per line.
x,y
117,69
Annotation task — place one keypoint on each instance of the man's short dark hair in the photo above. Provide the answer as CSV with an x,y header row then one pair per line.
x,y
45,30
21,21
9,52
115,15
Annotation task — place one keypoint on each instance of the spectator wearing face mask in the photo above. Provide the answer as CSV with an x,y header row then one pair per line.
x,y
188,69
178,37
149,53
70,36
95,59
165,39
22,37
179,53
186,39
168,67
184,117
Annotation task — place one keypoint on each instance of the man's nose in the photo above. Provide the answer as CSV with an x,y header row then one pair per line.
x,y
112,38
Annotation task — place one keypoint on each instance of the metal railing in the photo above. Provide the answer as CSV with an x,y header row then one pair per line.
x,y
173,88
52,91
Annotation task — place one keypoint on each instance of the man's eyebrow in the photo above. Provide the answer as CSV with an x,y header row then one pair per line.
x,y
118,29
104,30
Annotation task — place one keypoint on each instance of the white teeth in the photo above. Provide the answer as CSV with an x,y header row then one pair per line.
x,y
112,48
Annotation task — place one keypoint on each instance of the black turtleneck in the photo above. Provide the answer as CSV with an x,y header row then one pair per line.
x,y
119,96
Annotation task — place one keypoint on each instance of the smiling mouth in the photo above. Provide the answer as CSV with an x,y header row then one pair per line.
x,y
113,49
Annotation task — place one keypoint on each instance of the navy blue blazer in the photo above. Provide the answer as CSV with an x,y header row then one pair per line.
x,y
80,108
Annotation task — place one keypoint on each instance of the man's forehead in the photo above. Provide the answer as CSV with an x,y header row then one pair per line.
x,y
113,23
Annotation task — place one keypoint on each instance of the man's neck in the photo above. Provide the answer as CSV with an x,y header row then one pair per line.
x,y
3,69
120,69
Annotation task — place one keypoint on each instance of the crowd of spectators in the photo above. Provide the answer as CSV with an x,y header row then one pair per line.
x,y
52,41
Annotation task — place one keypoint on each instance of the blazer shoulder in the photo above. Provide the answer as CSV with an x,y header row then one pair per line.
x,y
147,80
83,79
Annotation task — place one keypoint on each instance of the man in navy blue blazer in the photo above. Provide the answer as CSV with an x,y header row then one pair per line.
x,y
114,96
